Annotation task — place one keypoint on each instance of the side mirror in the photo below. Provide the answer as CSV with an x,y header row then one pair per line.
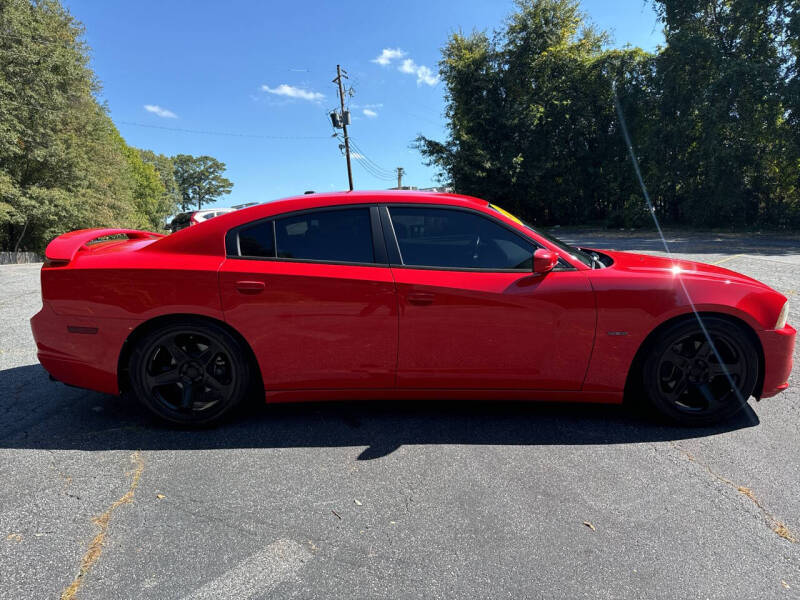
x,y
544,261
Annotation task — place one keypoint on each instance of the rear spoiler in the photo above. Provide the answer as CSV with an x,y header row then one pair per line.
x,y
65,247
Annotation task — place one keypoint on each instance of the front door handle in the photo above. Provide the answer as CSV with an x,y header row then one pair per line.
x,y
420,298
250,287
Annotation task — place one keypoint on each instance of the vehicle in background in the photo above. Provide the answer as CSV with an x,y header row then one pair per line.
x,y
187,219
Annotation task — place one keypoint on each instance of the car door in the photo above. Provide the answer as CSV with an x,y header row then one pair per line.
x,y
313,295
472,313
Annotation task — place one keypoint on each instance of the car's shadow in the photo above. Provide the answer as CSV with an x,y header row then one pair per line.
x,y
36,413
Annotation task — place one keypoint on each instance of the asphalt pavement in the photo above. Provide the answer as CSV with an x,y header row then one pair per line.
x,y
398,500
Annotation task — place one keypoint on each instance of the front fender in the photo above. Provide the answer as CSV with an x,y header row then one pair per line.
x,y
630,306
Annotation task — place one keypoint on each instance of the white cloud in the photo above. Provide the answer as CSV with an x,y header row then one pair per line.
x,y
388,55
293,92
370,113
161,112
408,66
424,74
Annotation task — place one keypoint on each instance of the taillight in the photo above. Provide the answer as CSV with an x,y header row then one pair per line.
x,y
51,262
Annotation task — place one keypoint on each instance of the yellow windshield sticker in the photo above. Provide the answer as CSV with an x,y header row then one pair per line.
x,y
506,213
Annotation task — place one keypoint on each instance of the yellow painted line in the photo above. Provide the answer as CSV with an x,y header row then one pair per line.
x,y
96,546
719,262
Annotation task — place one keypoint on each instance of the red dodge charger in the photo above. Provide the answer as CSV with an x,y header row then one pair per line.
x,y
399,295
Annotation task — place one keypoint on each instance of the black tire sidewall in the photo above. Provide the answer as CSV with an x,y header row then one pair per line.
x,y
670,336
231,345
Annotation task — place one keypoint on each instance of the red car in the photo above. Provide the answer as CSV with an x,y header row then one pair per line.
x,y
399,295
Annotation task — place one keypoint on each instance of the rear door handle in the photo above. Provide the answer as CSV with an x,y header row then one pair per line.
x,y
250,287
420,298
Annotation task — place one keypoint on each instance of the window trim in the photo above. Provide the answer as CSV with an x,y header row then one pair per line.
x,y
395,256
378,243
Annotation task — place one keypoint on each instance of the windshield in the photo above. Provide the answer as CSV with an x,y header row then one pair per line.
x,y
572,251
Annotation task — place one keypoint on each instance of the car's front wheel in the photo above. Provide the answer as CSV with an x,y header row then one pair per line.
x,y
696,377
189,373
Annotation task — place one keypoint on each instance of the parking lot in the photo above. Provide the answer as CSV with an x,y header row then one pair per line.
x,y
398,500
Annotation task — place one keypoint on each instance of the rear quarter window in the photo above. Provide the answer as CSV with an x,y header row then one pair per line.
x,y
257,241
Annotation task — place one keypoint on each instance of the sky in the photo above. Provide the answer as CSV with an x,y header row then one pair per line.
x,y
249,83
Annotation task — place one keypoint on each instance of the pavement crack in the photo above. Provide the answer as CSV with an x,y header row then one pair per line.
x,y
96,546
777,526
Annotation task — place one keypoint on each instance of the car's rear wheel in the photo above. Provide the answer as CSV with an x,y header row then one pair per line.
x,y
694,382
189,373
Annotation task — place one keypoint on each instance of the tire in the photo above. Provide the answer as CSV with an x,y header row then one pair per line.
x,y
190,373
684,379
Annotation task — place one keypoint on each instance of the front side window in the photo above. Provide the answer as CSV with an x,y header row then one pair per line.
x,y
448,238
331,235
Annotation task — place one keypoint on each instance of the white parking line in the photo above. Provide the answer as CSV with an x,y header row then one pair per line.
x,y
256,576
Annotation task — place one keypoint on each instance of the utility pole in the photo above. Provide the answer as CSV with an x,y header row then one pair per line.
x,y
344,123
400,172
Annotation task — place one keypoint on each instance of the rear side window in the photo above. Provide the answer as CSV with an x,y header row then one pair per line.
x,y
457,239
257,240
332,235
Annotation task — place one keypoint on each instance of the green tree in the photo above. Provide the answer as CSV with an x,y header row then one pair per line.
x,y
148,190
728,153
62,163
714,115
45,93
200,180
165,168
531,117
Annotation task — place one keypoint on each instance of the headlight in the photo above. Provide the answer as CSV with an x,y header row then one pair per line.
x,y
783,316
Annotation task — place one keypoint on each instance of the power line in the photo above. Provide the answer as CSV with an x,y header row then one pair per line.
x,y
178,129
370,166
378,173
376,166
367,158
368,169
226,133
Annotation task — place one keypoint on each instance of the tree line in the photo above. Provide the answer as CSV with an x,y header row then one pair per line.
x,y
63,163
714,116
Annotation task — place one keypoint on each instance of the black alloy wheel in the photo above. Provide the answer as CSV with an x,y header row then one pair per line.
x,y
697,377
190,373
